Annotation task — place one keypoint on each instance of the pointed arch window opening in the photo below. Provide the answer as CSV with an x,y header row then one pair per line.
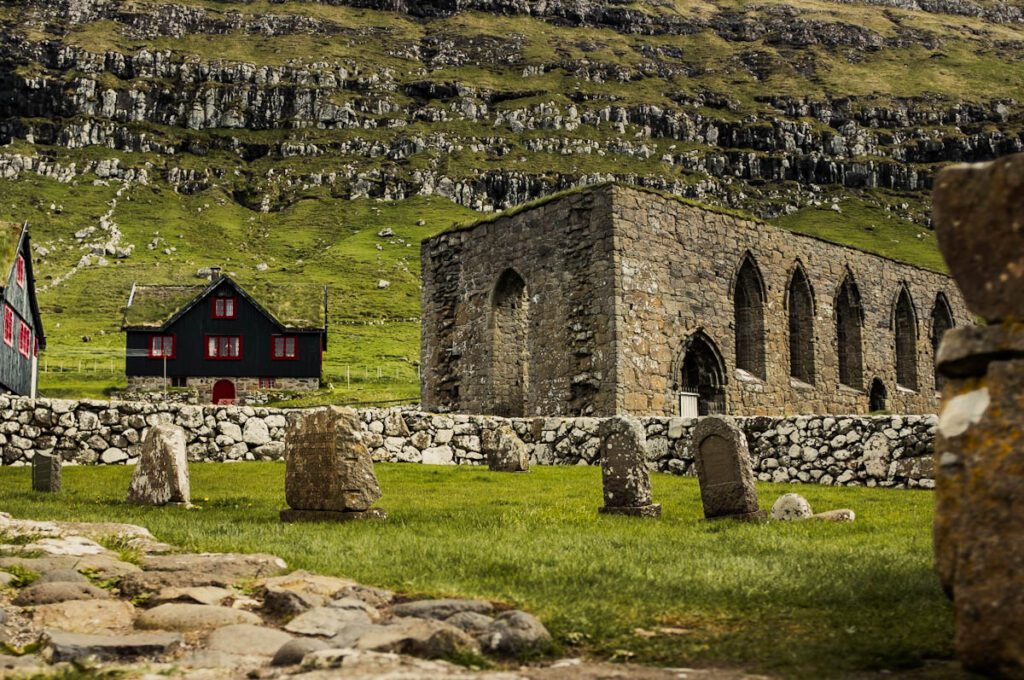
x,y
510,358
800,311
905,330
849,323
748,307
942,321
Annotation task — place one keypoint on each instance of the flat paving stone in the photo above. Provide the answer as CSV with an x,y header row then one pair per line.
x,y
62,576
60,591
64,646
85,616
441,609
105,566
425,638
247,640
185,617
210,595
224,565
326,621
292,652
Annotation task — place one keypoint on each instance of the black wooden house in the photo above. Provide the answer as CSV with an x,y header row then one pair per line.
x,y
226,341
23,335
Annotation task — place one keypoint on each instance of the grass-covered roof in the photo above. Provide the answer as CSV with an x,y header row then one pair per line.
x,y
294,305
10,236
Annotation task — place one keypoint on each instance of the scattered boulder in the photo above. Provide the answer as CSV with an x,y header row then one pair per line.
x,y
425,638
791,506
840,515
474,623
161,476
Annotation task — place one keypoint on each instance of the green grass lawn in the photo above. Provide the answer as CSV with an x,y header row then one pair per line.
x,y
798,600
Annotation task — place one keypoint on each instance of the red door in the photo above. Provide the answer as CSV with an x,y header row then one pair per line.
x,y
223,392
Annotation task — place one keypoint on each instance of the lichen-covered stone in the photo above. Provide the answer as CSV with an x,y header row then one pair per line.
x,y
791,506
624,475
161,475
979,221
504,450
723,469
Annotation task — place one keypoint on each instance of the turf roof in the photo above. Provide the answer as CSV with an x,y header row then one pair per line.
x,y
10,237
296,306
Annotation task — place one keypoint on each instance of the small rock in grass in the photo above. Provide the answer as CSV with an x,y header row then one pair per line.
x,y
791,506
840,515
247,640
292,652
188,617
425,638
441,609
516,633
49,593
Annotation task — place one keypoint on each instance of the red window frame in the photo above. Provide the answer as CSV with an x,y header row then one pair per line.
x,y
19,271
279,347
222,342
8,326
24,339
224,307
268,383
161,352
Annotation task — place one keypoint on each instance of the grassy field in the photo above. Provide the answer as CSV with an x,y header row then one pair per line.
x,y
804,600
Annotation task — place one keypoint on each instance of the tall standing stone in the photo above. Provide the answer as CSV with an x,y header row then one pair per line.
x,y
504,450
979,452
161,476
626,481
46,473
328,470
724,471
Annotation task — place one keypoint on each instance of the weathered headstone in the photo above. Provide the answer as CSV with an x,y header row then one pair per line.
x,y
161,476
724,471
46,473
504,450
979,452
627,483
328,470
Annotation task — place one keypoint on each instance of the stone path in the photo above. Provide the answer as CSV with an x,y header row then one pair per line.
x,y
65,598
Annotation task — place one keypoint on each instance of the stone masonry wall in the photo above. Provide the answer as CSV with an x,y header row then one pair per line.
x,y
890,451
621,280
689,286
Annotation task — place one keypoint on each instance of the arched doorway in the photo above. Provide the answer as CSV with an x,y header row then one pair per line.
x,y
510,357
702,376
223,392
878,397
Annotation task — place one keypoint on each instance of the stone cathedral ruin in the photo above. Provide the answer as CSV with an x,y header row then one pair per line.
x,y
614,299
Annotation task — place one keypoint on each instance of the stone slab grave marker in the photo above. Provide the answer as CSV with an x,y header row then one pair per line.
x,y
161,476
724,471
504,450
979,451
328,470
626,481
46,473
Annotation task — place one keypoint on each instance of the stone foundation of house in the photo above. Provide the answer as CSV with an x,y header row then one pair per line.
x,y
244,387
888,451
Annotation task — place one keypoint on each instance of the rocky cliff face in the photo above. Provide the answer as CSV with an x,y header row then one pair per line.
x,y
470,99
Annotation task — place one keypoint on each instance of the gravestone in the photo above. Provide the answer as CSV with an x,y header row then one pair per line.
x,y
504,450
46,473
627,484
161,475
979,451
724,471
328,470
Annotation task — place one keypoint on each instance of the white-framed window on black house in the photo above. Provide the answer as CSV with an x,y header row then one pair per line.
x,y
223,347
225,307
284,347
161,347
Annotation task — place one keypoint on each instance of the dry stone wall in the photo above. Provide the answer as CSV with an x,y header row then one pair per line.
x,y
888,451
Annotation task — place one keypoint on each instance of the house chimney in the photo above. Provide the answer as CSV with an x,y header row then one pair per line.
x,y
214,274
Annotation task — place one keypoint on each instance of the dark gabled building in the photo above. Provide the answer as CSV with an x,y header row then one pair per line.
x,y
23,335
225,340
